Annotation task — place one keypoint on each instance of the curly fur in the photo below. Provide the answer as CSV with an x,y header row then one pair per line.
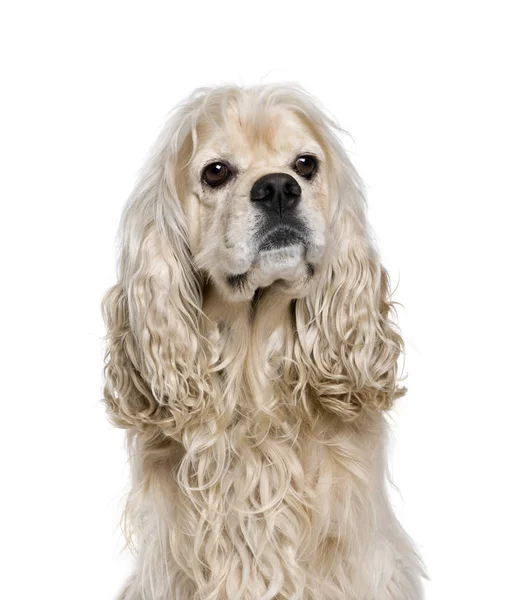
x,y
255,424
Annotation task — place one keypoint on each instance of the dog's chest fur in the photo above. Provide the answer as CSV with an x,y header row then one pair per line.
x,y
278,494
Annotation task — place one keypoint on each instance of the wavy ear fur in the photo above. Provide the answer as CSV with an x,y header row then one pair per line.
x,y
346,347
155,362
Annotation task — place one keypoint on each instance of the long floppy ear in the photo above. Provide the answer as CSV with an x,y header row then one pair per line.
x,y
155,371
346,347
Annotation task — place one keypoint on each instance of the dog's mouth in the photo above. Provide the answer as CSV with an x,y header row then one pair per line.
x,y
237,282
281,254
282,236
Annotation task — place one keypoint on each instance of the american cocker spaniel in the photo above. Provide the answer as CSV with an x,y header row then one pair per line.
x,y
251,359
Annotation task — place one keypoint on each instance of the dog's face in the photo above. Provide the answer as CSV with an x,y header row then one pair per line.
x,y
256,198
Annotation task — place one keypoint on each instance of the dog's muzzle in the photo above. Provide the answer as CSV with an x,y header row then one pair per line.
x,y
277,195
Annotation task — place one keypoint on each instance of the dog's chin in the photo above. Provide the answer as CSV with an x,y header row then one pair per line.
x,y
286,266
283,262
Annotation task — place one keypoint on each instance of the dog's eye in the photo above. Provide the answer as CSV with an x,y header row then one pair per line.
x,y
215,174
306,165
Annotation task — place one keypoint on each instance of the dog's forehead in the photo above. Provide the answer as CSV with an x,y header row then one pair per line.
x,y
247,137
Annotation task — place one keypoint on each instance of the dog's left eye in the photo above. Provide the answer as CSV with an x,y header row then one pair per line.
x,y
306,165
215,174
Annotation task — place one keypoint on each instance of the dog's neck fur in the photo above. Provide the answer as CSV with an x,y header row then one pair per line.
x,y
258,337
257,334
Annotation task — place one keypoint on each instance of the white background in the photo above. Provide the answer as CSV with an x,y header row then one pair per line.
x,y
430,92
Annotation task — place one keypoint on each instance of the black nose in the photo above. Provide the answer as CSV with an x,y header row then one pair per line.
x,y
276,192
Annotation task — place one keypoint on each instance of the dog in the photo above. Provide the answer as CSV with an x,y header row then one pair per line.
x,y
251,358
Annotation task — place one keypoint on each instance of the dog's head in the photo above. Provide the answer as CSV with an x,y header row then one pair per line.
x,y
245,190
256,177
256,190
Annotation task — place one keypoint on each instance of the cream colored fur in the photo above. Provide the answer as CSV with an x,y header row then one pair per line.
x,y
255,419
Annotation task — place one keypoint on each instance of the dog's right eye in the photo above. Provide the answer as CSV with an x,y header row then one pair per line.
x,y
306,165
215,174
